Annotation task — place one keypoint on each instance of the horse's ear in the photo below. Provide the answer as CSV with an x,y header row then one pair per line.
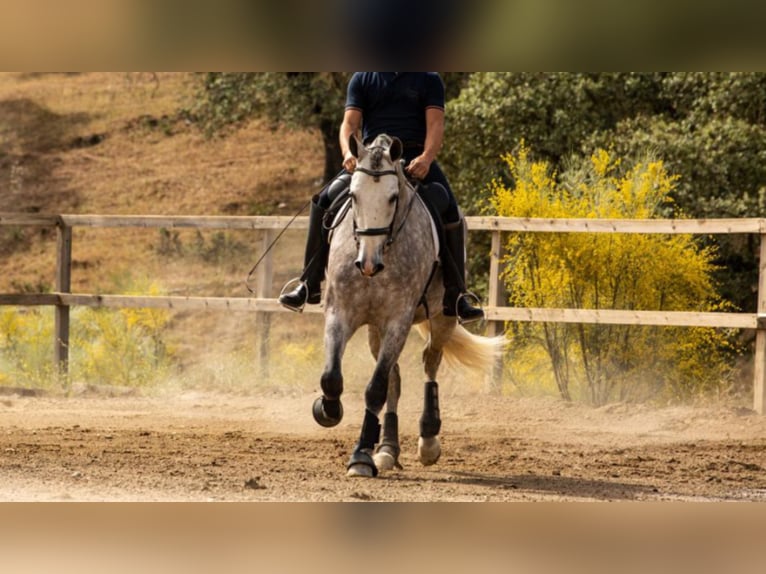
x,y
355,146
396,150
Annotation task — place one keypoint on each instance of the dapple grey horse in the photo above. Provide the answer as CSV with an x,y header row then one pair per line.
x,y
383,272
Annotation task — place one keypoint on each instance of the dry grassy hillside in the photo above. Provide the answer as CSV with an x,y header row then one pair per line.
x,y
113,143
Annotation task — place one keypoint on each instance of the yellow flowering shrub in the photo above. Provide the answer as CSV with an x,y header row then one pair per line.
x,y
26,347
601,363
107,346
121,346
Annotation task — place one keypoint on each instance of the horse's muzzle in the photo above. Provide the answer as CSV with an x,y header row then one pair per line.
x,y
369,268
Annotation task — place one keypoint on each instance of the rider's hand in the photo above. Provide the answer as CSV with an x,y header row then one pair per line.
x,y
349,162
419,167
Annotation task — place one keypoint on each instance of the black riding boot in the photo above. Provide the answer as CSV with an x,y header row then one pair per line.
x,y
315,261
453,267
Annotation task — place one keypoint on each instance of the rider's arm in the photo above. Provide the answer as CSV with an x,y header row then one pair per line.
x,y
352,123
419,166
434,133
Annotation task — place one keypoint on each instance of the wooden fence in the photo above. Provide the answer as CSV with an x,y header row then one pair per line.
x,y
497,314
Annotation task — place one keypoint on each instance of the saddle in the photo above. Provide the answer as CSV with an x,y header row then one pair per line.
x,y
437,202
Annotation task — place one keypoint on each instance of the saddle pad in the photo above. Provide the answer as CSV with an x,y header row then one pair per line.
x,y
434,230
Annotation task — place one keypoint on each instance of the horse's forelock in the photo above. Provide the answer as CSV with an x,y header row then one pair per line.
x,y
377,150
376,158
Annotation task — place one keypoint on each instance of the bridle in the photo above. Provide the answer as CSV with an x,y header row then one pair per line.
x,y
388,231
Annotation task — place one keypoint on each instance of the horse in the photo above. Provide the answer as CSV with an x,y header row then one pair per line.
x,y
383,271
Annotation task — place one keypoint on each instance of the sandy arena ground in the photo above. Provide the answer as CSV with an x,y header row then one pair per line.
x,y
198,446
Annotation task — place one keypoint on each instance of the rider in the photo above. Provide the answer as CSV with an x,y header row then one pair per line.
x,y
410,106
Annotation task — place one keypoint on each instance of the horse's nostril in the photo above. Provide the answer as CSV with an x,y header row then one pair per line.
x,y
377,269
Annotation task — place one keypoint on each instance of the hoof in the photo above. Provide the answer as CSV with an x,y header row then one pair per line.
x,y
361,465
327,413
360,471
385,460
429,450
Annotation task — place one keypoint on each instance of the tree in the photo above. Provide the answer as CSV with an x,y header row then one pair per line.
x,y
714,137
295,99
611,271
554,113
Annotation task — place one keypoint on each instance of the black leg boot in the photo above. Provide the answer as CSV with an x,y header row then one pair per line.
x,y
315,261
453,267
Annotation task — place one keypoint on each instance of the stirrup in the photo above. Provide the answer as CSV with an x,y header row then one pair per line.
x,y
297,309
468,295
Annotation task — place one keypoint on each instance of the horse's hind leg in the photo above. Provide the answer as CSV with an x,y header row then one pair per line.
x,y
429,447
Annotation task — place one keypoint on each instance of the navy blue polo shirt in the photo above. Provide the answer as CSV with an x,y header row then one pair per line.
x,y
395,103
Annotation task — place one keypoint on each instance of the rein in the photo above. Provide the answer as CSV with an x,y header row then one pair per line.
x,y
376,173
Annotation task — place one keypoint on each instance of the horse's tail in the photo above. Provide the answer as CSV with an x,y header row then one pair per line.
x,y
464,348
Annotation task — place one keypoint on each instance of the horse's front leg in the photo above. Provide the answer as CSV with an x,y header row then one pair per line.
x,y
387,456
327,409
361,462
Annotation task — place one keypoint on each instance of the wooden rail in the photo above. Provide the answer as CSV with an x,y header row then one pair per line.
x,y
497,313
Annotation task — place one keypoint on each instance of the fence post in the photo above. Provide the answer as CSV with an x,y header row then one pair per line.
x,y
264,283
63,285
759,384
496,299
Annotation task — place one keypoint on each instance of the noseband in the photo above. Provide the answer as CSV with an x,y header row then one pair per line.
x,y
388,230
